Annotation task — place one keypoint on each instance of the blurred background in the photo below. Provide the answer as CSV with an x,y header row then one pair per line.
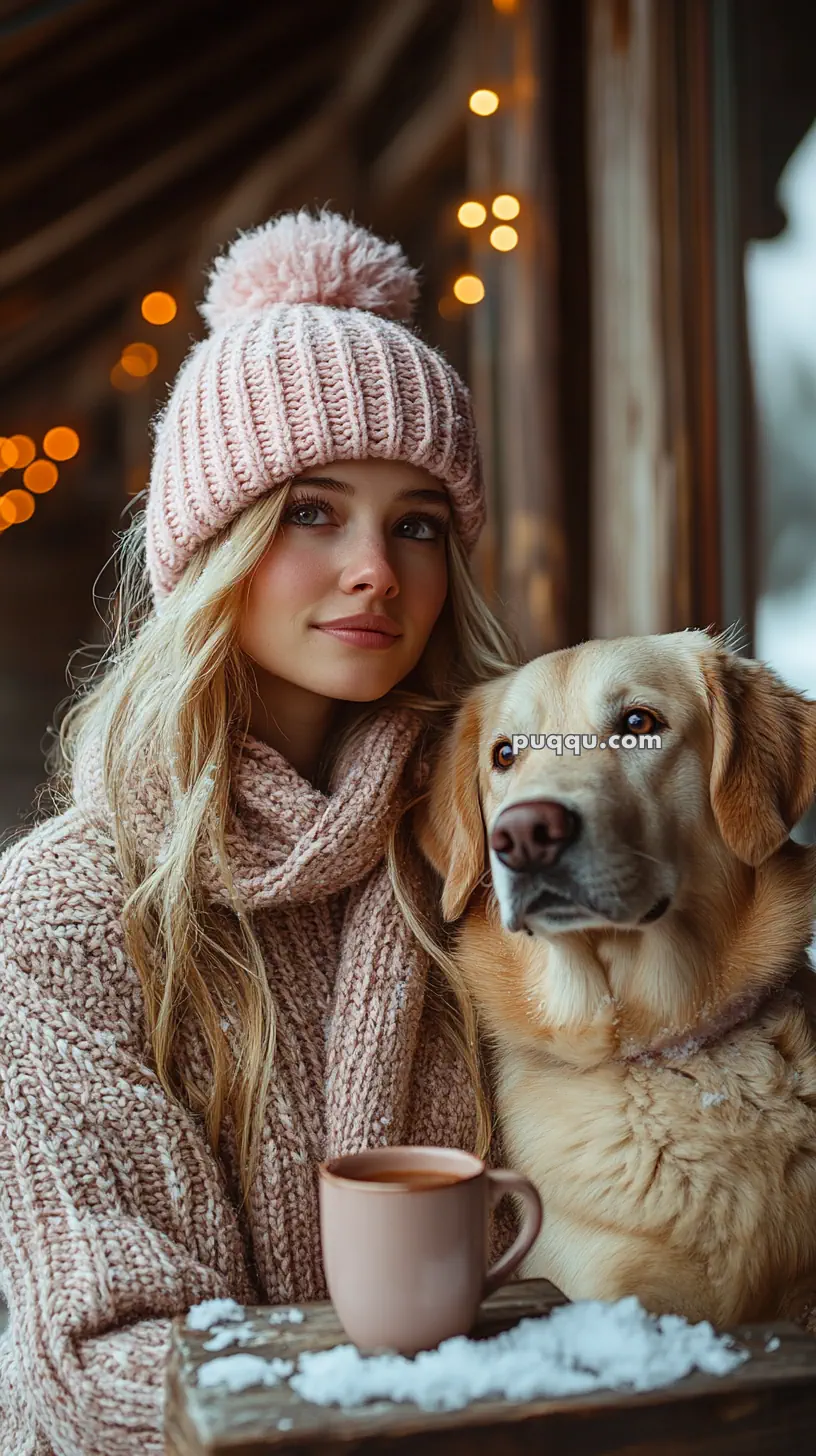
x,y
613,204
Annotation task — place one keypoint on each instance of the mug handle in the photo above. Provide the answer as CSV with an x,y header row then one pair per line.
x,y
504,1181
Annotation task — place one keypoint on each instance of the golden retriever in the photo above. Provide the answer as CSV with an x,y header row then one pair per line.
x,y
634,931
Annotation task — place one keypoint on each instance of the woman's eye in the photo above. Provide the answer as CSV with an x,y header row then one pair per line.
x,y
295,514
503,756
640,721
433,526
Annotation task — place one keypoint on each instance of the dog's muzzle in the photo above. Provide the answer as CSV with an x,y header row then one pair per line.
x,y
529,840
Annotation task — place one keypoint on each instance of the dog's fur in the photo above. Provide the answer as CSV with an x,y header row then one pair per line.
x,y
688,1180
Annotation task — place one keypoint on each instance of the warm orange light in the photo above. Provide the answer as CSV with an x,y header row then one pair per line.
x,y
40,476
61,443
504,238
26,450
16,506
8,454
469,288
506,207
159,308
450,309
139,359
472,214
505,7
484,102
127,383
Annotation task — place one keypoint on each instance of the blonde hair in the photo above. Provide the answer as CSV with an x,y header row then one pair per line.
x,y
169,692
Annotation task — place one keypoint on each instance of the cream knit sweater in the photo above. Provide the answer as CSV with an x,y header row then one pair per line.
x,y
114,1215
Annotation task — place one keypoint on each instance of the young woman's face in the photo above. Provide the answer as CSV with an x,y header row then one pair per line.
x,y
363,536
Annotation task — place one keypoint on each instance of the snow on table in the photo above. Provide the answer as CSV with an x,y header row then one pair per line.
x,y
617,1380
589,1345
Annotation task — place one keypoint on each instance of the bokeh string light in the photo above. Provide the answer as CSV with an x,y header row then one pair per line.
x,y
472,214
505,207
135,363
450,308
40,475
123,381
16,506
19,451
61,443
504,238
483,102
159,308
139,359
8,453
469,289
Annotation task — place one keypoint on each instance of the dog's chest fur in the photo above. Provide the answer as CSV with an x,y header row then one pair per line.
x,y
693,1181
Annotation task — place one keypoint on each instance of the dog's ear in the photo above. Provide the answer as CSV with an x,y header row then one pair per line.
x,y
763,771
449,825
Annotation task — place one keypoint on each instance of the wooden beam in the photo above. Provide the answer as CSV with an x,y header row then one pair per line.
x,y
26,27
430,129
136,104
374,49
633,470
670,504
698,271
737,450
101,42
104,207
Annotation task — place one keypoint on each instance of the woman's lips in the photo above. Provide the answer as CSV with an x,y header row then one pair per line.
x,y
357,638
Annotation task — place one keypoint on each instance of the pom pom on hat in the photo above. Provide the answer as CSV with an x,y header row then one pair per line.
x,y
300,258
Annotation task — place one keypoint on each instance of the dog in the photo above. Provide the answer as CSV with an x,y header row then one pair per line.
x,y
632,925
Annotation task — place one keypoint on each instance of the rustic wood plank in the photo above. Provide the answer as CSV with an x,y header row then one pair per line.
x,y
633,468
768,1404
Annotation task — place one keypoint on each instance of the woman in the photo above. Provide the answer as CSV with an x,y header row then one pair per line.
x,y
218,962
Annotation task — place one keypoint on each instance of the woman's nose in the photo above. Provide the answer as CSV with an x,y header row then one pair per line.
x,y
368,566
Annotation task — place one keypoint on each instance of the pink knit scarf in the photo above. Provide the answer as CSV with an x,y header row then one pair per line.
x,y
292,849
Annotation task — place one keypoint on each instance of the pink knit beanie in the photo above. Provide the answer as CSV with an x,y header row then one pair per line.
x,y
304,364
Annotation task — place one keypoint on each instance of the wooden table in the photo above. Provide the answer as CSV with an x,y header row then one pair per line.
x,y
767,1406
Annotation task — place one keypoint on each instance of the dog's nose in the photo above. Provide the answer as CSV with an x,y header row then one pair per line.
x,y
534,834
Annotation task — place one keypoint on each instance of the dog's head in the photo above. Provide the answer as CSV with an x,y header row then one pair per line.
x,y
578,835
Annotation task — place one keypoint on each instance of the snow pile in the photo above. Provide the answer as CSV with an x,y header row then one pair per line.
x,y
214,1311
226,1319
239,1372
589,1345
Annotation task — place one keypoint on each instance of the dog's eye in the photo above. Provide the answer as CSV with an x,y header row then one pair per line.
x,y
640,721
503,755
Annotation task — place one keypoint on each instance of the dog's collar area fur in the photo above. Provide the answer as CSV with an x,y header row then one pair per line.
x,y
685,1044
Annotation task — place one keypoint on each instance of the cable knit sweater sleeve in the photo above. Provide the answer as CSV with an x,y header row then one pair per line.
x,y
113,1213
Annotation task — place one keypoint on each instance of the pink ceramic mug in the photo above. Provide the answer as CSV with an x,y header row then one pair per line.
x,y
404,1233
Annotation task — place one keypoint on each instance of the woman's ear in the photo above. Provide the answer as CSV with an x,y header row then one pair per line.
x,y
448,825
763,771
